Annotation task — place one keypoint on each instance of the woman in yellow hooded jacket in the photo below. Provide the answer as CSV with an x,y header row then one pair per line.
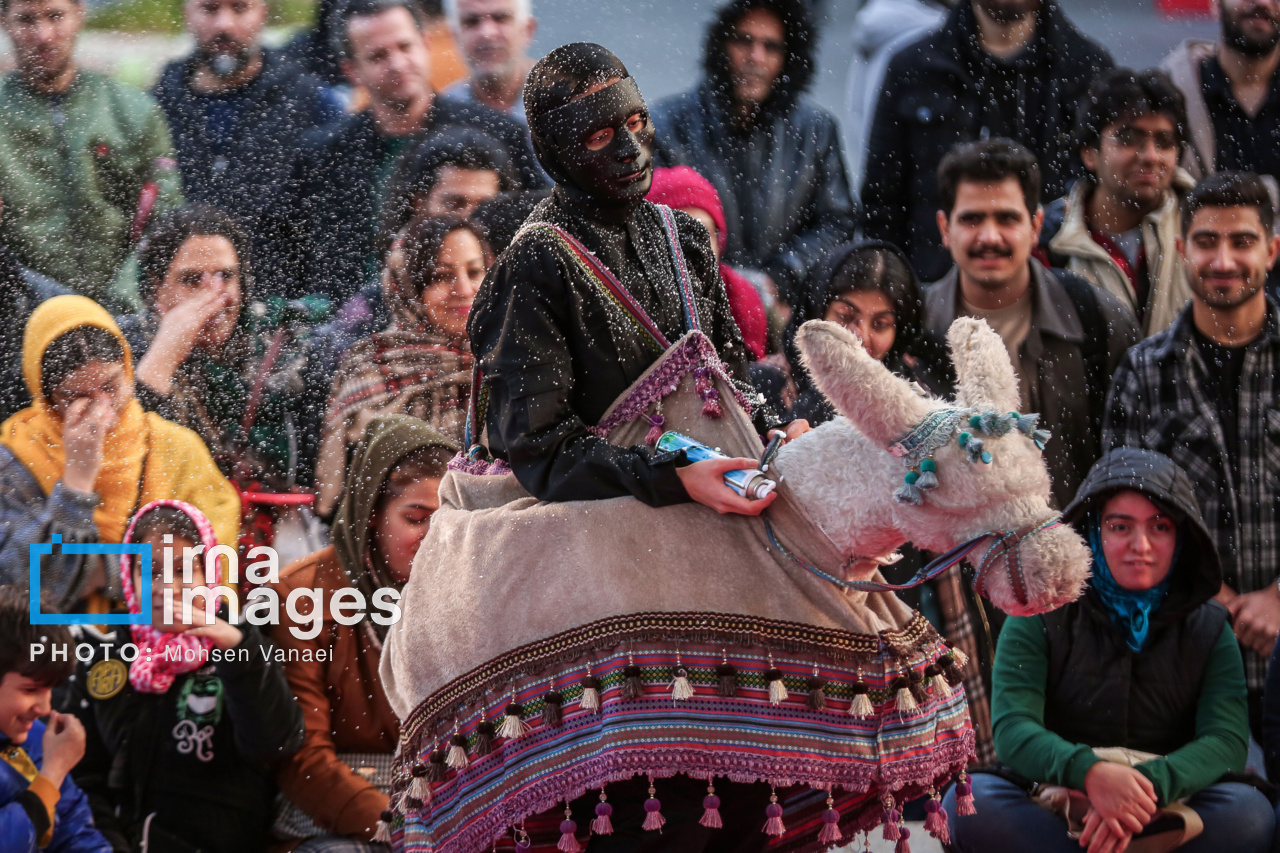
x,y
84,456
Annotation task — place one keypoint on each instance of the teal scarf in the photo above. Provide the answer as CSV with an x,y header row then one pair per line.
x,y
1129,609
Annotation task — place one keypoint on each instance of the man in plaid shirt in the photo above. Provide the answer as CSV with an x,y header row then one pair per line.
x,y
1206,392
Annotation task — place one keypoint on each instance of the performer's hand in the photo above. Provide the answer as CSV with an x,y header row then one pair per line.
x,y
704,481
797,428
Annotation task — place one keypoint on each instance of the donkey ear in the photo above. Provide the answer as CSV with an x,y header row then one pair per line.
x,y
984,374
882,406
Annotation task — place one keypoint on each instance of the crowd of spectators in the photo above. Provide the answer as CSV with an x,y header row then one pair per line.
x,y
241,311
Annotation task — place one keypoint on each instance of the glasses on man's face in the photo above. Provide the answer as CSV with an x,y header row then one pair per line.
x,y
1133,138
746,41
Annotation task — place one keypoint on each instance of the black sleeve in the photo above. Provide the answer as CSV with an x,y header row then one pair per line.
x,y
268,722
93,772
1271,716
519,333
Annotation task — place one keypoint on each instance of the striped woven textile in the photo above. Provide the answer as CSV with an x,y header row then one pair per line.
x,y
746,737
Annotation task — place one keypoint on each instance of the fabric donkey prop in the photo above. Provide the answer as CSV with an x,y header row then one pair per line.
x,y
550,649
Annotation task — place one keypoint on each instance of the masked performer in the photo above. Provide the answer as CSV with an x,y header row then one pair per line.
x,y
554,353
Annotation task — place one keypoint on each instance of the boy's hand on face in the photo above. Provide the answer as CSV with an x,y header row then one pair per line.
x,y
64,741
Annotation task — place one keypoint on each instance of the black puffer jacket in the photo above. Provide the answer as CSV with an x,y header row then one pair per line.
x,y
281,104
1099,692
782,180
944,89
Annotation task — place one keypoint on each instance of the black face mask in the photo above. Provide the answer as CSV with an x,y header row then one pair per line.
x,y
619,172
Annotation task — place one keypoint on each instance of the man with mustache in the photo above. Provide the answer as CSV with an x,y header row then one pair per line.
x,y
235,109
1064,335
1203,392
494,36
1118,226
774,158
995,68
87,160
1233,105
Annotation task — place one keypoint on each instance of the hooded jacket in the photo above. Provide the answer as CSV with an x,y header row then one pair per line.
x,y
277,107
1070,245
944,89
345,708
1066,682
72,830
782,180
145,458
190,768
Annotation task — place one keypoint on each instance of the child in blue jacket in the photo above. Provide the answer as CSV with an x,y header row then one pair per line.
x,y
40,806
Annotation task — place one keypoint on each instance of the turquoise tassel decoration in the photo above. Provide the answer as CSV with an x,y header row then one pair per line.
x,y
928,475
909,491
974,447
996,425
963,438
1041,437
1026,423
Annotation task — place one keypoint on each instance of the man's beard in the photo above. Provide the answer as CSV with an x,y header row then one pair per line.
x,y
1256,281
1235,37
224,63
1008,11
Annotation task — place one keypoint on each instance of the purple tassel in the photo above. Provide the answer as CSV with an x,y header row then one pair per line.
x,y
653,818
830,833
711,811
774,826
903,845
892,832
707,391
524,845
568,836
602,825
656,423
935,821
964,797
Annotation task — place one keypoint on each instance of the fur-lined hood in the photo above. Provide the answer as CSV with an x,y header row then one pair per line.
x,y
797,71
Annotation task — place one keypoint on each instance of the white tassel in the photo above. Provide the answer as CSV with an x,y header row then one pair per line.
x,y
457,757
906,702
777,692
939,686
513,726
681,689
862,706
419,789
382,834
961,657
590,699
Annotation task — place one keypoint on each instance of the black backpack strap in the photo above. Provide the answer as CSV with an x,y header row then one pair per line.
x,y
1094,349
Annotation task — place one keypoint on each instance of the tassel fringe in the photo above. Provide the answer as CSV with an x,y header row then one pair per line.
x,y
485,732
633,687
513,726
551,708
711,810
568,836
817,694
830,833
681,689
602,825
903,845
382,834
964,797
777,687
727,678
457,753
590,694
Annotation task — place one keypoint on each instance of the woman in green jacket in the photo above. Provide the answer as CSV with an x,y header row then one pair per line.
x,y
1128,700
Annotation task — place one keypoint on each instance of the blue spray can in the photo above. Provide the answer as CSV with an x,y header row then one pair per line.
x,y
751,483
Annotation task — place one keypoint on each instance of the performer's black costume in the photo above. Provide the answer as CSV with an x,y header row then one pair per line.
x,y
553,353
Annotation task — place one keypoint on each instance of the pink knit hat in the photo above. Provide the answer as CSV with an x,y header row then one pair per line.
x,y
681,187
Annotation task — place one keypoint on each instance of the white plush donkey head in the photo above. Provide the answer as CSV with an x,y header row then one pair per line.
x,y
990,475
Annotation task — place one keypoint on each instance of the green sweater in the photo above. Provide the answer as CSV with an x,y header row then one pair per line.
x,y
1025,745
72,171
